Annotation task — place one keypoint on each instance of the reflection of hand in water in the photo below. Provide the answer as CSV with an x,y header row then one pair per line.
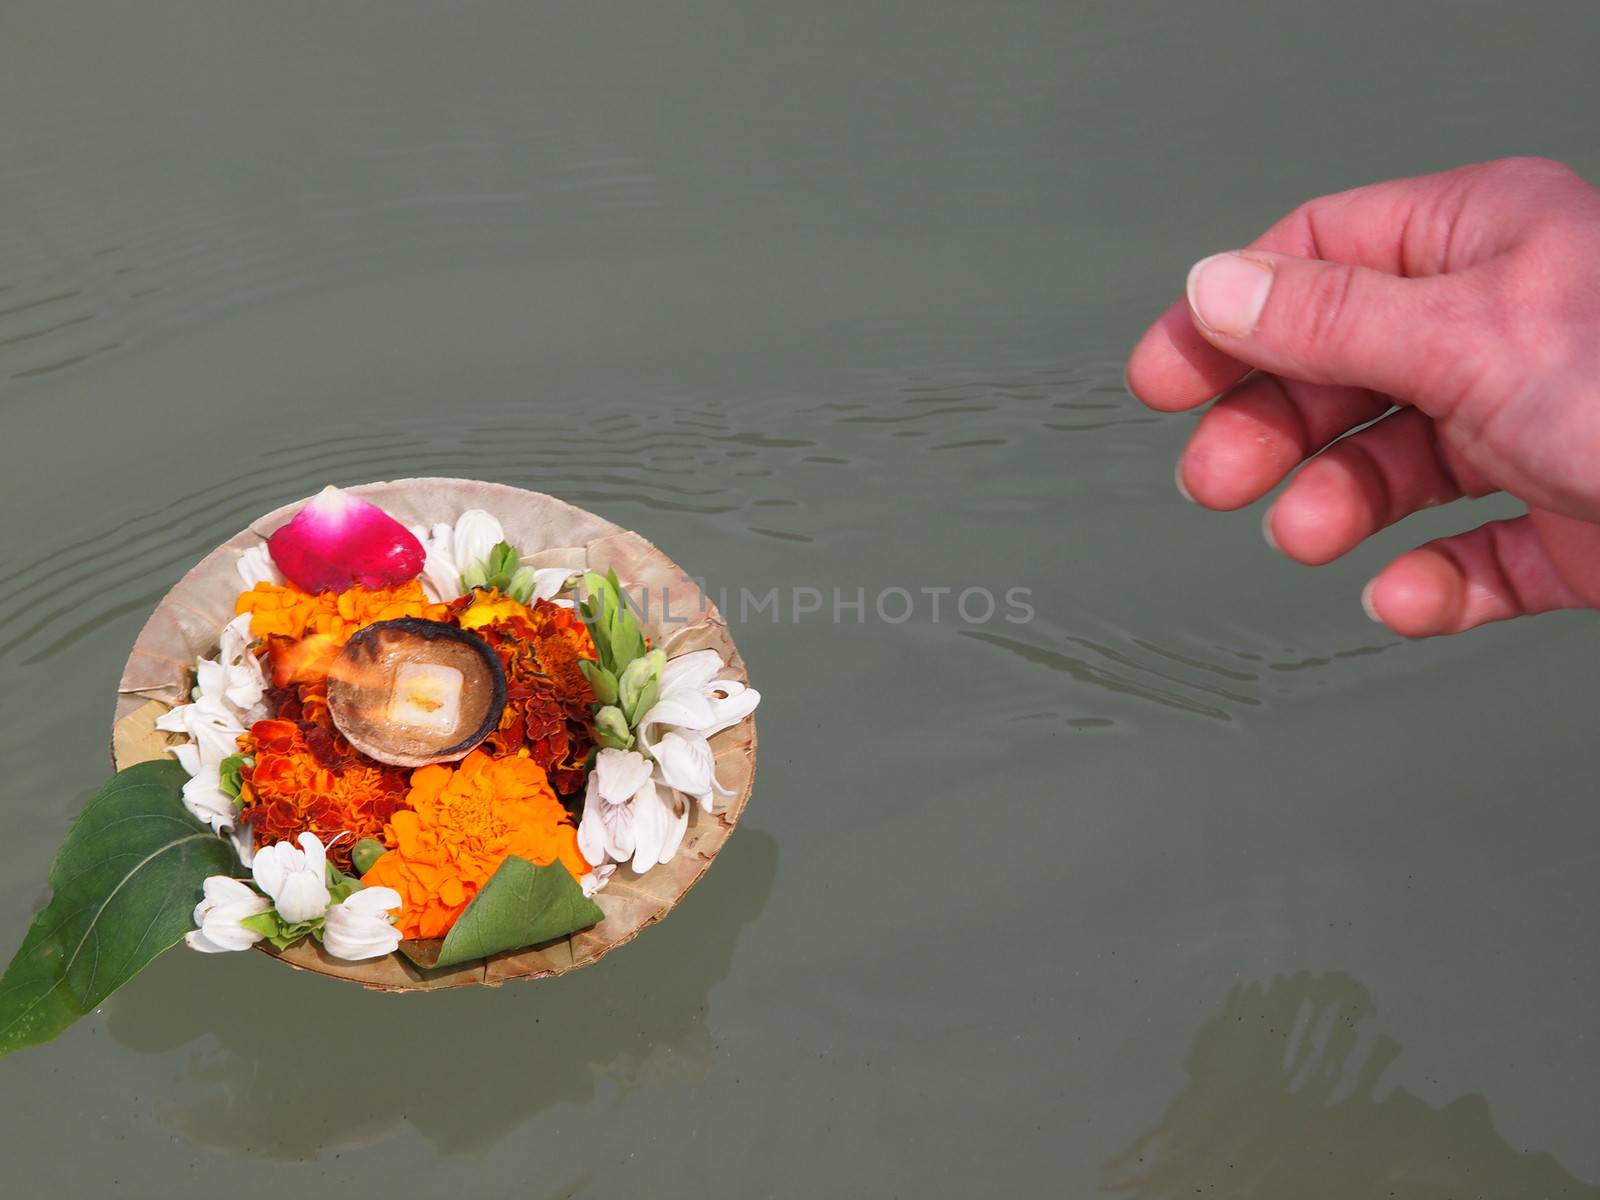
x,y
1275,1107
306,1064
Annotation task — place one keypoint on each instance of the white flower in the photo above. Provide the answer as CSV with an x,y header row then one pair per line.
x,y
660,819
599,875
255,566
235,674
228,694
360,927
228,691
620,773
297,880
634,806
227,902
606,831
628,815
547,582
204,797
244,842
211,727
685,763
692,697
625,816
441,576
476,534
694,704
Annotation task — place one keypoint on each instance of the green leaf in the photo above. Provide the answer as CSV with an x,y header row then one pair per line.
x,y
612,620
340,886
611,727
644,702
272,927
521,905
618,639
232,783
603,610
631,683
601,681
266,923
500,565
125,884
521,585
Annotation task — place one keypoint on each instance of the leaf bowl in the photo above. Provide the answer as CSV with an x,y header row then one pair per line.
x,y
678,618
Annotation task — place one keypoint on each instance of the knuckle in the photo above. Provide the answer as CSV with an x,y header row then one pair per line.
x,y
1300,224
1468,345
1326,306
1544,188
1535,173
1536,296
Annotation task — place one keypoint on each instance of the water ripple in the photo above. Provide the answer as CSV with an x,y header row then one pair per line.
x,y
1190,680
685,454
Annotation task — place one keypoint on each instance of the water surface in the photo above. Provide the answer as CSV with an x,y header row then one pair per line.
x,y
1197,882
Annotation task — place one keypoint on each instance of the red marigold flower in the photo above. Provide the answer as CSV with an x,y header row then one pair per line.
x,y
307,777
547,698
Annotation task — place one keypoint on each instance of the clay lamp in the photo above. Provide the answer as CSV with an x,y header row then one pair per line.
x,y
412,692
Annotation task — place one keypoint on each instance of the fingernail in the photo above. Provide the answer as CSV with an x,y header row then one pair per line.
x,y
1177,478
1228,291
1266,531
1366,601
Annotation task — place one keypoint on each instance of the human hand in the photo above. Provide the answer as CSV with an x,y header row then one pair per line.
x,y
1458,313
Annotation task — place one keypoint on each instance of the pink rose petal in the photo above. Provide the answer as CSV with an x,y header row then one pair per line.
x,y
338,540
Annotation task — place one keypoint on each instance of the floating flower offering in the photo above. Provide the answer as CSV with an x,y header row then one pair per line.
x,y
412,735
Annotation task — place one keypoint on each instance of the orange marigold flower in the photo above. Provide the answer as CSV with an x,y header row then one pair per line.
x,y
286,611
486,608
463,822
304,631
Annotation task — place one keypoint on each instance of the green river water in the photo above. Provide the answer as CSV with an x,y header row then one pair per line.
x,y
1195,883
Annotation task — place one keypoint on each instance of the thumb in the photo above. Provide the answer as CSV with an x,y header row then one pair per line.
x,y
1328,322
